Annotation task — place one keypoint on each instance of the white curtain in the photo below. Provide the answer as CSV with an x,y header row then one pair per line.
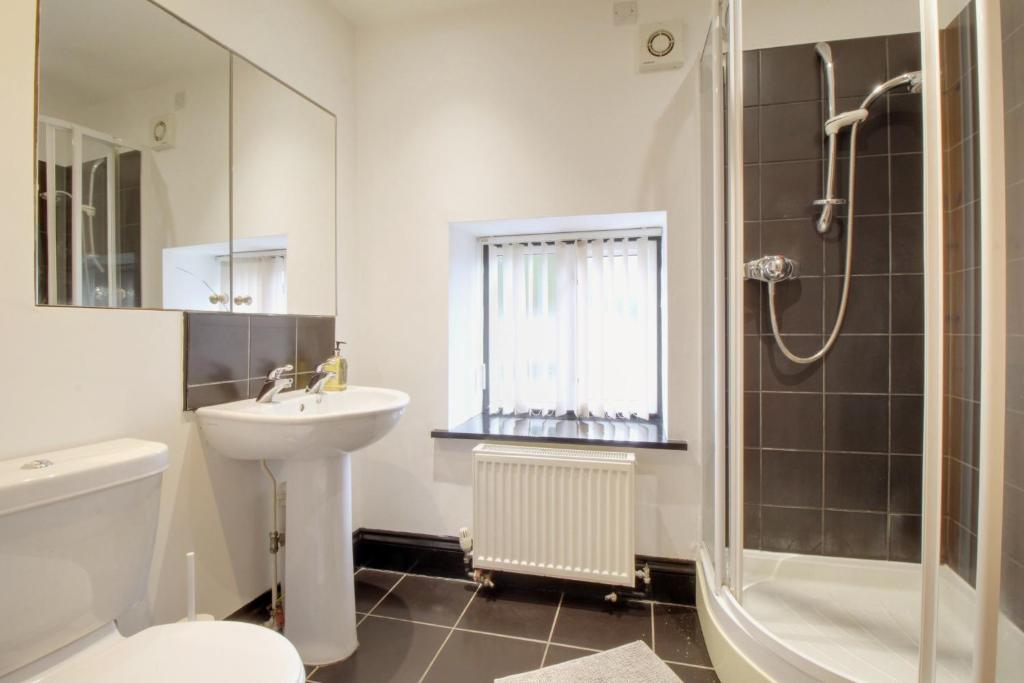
x,y
573,328
262,277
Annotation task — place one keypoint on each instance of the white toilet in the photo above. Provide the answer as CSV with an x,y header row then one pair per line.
x,y
76,539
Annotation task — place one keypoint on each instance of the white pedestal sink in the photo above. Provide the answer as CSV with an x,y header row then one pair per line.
x,y
315,437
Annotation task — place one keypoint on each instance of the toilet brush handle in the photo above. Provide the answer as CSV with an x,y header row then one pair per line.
x,y
190,573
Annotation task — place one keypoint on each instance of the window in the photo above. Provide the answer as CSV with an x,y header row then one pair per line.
x,y
573,325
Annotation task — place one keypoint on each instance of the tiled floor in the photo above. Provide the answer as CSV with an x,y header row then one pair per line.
x,y
422,628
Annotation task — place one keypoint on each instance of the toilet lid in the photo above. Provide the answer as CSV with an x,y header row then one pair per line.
x,y
194,652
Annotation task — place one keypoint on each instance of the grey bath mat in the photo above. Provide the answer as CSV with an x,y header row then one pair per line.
x,y
634,662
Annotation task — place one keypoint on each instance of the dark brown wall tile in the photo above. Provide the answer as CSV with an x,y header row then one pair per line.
x,y
871,192
905,472
791,478
856,481
216,347
856,534
796,131
907,304
908,364
793,530
907,183
271,343
751,418
789,74
905,538
789,188
905,122
751,362
797,306
870,246
751,76
791,421
316,342
907,244
752,475
867,311
751,526
796,239
858,364
860,65
904,53
857,423
907,418
751,140
781,374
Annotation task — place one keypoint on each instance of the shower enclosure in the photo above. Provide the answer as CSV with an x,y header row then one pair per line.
x,y
86,240
864,468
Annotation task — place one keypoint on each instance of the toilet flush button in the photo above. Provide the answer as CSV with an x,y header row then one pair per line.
x,y
40,464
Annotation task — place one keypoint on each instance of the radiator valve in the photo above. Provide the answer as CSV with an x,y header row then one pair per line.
x,y
483,578
644,574
612,597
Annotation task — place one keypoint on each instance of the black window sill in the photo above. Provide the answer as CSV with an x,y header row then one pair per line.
x,y
589,431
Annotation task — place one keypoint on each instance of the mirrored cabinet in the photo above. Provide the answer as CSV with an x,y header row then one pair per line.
x,y
174,174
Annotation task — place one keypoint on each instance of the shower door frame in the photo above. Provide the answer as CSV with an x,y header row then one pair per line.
x,y
723,562
78,133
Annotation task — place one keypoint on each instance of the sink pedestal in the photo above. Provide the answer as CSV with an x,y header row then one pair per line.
x,y
320,608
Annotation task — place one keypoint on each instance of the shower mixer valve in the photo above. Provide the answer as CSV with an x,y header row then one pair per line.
x,y
771,269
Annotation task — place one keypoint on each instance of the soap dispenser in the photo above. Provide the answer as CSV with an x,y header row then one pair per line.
x,y
339,366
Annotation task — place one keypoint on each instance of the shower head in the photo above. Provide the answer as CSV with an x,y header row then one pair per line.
x,y
911,80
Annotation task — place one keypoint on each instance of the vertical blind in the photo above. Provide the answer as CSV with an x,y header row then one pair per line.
x,y
573,327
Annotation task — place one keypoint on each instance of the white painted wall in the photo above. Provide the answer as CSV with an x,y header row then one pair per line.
x,y
76,375
514,110
282,182
771,23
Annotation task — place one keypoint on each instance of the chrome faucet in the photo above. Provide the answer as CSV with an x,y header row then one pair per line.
x,y
275,384
319,379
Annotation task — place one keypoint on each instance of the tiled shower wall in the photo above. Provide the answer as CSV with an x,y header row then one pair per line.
x,y
228,355
832,458
1012,598
962,303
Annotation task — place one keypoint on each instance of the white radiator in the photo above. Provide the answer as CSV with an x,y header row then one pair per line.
x,y
554,512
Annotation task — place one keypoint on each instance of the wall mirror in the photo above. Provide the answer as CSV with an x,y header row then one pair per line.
x,y
173,174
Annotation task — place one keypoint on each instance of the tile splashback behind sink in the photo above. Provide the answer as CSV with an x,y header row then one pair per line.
x,y
228,355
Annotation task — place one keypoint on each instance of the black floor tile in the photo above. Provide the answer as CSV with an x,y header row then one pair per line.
x,y
371,586
558,654
431,600
512,612
693,674
476,657
601,625
389,651
677,635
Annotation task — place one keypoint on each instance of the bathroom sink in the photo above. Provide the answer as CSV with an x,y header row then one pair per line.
x,y
298,425
314,436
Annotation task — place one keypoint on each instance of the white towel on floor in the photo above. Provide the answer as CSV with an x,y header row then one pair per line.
x,y
635,663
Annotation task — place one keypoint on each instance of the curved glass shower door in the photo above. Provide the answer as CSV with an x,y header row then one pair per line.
x,y
876,496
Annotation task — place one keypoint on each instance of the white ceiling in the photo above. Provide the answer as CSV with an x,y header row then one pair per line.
x,y
364,12
105,48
